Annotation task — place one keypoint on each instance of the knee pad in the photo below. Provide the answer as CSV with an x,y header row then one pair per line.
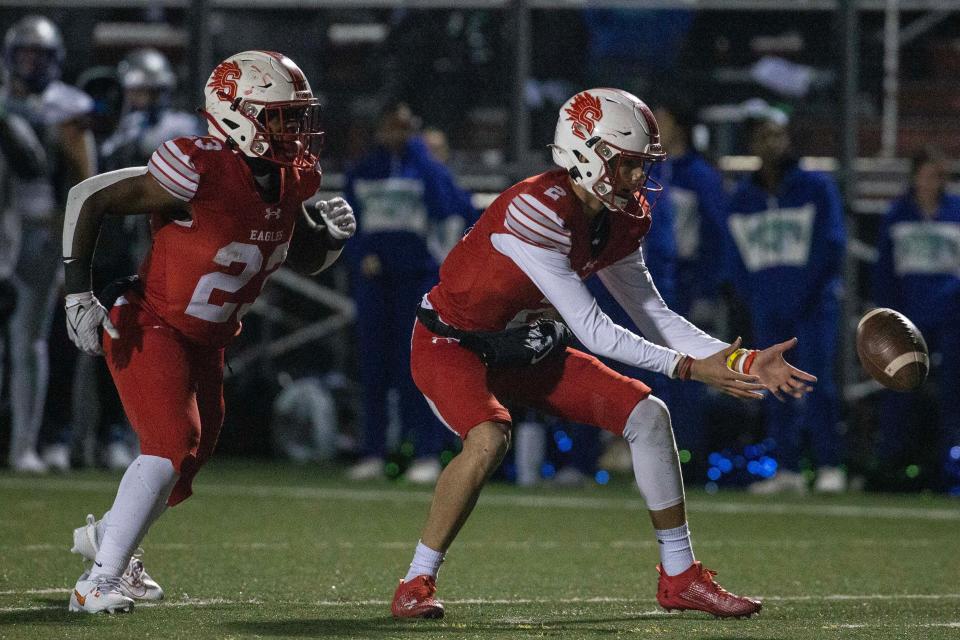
x,y
656,465
649,424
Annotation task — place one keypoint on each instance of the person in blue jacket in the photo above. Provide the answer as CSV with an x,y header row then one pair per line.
x,y
918,274
409,214
786,261
699,201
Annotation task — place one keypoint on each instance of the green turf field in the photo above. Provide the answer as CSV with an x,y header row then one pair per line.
x,y
269,551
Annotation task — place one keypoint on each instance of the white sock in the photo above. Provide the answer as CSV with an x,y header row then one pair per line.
x,y
676,550
426,562
145,486
102,527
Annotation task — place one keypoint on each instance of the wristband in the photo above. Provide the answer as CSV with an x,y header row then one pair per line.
x,y
684,367
748,361
732,358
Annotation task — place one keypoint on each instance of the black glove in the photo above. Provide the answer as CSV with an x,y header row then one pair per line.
x,y
520,346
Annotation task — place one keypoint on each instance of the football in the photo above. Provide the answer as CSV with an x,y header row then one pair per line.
x,y
892,350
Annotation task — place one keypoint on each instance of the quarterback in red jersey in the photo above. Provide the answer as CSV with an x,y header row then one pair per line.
x,y
226,211
484,338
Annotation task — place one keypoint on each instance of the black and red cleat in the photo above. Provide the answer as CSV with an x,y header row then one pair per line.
x,y
415,599
696,590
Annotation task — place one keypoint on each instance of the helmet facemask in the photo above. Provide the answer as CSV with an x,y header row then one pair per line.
x,y
286,133
625,183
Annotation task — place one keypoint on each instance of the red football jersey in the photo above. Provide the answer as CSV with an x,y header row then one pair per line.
x,y
200,276
481,289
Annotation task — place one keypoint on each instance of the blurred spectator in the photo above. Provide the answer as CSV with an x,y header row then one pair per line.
x,y
32,55
410,213
698,199
21,155
917,274
147,120
787,258
438,144
103,86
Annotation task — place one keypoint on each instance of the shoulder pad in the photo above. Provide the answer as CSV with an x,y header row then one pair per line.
x,y
62,103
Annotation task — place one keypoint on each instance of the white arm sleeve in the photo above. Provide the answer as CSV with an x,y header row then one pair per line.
x,y
630,284
79,194
551,272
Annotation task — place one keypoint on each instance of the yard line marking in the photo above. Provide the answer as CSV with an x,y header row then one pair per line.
x,y
865,625
505,500
869,596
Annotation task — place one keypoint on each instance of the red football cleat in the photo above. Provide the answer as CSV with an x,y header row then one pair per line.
x,y
695,589
415,599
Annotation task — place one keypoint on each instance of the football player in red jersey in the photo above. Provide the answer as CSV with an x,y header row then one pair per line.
x,y
528,256
226,211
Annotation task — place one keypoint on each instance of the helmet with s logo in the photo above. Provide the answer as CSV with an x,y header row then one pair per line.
x,y
603,133
260,103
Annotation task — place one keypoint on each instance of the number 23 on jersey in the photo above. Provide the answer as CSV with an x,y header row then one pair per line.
x,y
248,255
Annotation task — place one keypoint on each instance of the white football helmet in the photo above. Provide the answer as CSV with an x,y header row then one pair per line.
x,y
147,69
600,132
260,103
43,37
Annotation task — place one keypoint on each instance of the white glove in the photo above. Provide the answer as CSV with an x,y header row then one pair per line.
x,y
337,214
85,317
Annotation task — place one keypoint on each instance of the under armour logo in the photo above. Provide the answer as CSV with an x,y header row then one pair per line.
x,y
272,212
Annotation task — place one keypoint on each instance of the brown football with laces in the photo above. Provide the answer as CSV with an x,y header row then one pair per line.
x,y
892,350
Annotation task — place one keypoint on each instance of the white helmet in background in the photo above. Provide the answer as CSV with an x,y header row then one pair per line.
x,y
260,103
147,69
41,35
598,132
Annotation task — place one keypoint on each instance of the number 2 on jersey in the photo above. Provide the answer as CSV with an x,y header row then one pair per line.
x,y
251,258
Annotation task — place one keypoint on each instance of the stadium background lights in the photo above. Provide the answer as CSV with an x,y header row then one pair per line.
x,y
564,442
548,470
